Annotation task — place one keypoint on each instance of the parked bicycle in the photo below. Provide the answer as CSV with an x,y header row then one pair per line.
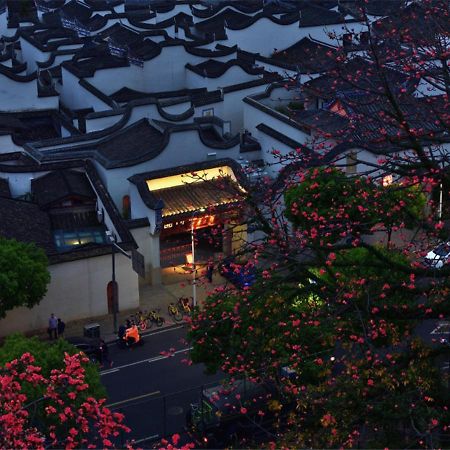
x,y
175,312
141,320
154,317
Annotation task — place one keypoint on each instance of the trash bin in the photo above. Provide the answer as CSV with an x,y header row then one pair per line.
x,y
91,330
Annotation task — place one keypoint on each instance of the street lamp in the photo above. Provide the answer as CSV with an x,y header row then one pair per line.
x,y
115,292
194,283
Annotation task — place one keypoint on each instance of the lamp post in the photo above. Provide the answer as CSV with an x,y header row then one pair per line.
x,y
194,282
115,292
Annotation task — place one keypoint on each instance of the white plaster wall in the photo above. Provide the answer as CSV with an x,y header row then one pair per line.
x,y
234,75
21,95
275,36
424,88
216,107
184,148
4,26
268,144
233,107
77,291
165,72
138,208
7,145
160,17
102,122
178,108
30,54
75,96
142,237
20,183
253,117
198,19
282,36
111,80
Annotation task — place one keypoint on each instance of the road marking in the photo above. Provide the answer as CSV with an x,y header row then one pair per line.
x,y
164,331
183,350
149,333
155,436
109,371
110,405
148,360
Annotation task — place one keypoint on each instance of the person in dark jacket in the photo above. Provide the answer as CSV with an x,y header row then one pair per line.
x,y
61,327
209,271
52,327
105,354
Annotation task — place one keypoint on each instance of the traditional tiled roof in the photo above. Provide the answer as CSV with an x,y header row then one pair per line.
x,y
191,197
101,59
26,222
215,69
306,55
132,143
190,202
28,126
4,187
60,184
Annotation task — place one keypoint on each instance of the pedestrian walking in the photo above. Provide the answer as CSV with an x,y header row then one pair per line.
x,y
52,327
104,354
61,327
209,271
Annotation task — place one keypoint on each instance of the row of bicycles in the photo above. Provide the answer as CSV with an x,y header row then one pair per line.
x,y
145,320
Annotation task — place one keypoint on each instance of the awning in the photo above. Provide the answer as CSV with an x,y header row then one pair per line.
x,y
194,196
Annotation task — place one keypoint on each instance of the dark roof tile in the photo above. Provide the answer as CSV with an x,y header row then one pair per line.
x,y
4,188
26,222
60,184
131,143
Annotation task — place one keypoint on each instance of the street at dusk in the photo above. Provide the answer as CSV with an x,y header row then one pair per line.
x,y
225,224
154,390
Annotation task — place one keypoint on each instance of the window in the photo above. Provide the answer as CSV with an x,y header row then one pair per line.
x,y
64,239
208,112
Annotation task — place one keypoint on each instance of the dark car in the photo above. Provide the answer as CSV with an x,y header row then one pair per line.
x,y
240,274
91,347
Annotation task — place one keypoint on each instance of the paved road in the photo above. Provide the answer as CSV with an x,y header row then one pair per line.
x,y
154,390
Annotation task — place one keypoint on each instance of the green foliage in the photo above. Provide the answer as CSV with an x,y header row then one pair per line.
x,y
23,275
325,200
296,105
403,204
328,205
49,356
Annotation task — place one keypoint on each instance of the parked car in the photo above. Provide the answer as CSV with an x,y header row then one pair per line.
x,y
240,274
91,347
439,256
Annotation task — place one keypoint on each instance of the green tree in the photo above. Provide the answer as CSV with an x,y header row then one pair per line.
x,y
23,275
49,357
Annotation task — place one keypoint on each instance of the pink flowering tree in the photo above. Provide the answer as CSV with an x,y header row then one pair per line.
x,y
343,292
55,418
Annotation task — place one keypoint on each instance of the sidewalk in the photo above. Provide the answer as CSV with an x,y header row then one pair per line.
x,y
176,283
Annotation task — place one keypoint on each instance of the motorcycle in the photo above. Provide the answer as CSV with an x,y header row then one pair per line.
x,y
122,342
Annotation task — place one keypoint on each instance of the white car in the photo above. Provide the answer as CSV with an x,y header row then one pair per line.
x,y
439,256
